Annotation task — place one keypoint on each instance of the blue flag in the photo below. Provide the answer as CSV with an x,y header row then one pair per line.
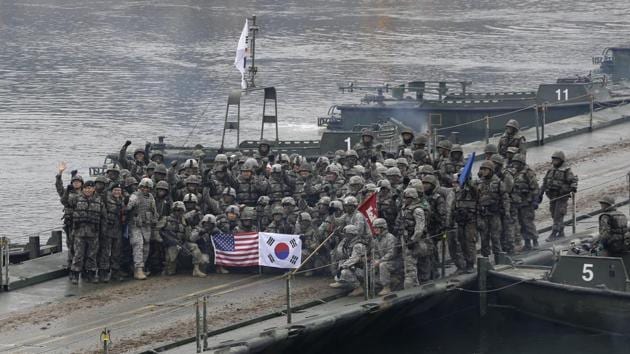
x,y
467,170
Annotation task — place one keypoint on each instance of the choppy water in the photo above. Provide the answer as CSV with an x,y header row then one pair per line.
x,y
78,78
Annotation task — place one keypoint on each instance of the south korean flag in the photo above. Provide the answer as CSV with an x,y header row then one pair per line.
x,y
279,250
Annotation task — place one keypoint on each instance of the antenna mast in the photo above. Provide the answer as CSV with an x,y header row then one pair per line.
x,y
253,29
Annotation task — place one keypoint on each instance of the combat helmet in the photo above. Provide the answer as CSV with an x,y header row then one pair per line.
x,y
445,144
209,218
160,169
421,139
380,223
558,155
518,158
497,159
162,185
192,179
607,199
491,149
487,164
233,209
277,210
430,179
512,123
146,182
351,230
76,177
221,158
178,205
394,171
190,198
288,201
248,214
410,193
350,201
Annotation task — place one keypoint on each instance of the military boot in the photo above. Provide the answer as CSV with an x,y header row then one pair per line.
x,y
553,236
528,245
222,270
535,243
93,277
561,233
74,277
197,272
105,275
170,268
358,291
138,274
386,291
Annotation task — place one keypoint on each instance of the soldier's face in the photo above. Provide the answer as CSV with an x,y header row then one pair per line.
x,y
150,172
246,222
331,177
305,224
510,130
162,193
348,209
304,174
100,186
116,192
351,160
77,184
191,187
113,175
379,231
407,137
139,156
246,174
483,172
277,217
556,162
456,155
264,148
158,159
144,189
232,216
159,177
367,139
88,191
488,156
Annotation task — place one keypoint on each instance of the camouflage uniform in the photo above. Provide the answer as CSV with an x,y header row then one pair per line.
x,y
613,229
88,220
310,241
66,194
493,201
249,189
465,215
177,238
110,242
387,254
558,184
524,196
509,218
511,139
416,250
137,167
280,184
351,252
386,204
143,217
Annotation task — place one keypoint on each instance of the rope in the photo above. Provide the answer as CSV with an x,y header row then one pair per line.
x,y
493,290
197,123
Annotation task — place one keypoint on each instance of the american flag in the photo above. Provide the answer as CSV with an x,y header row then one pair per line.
x,y
237,250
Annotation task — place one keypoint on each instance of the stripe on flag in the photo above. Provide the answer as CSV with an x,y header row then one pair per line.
x,y
237,250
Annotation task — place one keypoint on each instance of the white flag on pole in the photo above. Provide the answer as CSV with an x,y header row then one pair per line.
x,y
240,62
279,250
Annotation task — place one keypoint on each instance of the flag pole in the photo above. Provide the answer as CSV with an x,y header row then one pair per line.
x,y
314,252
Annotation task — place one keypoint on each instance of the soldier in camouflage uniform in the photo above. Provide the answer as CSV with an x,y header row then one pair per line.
x,y
524,196
494,203
137,167
511,138
143,217
613,229
352,216
280,184
193,215
247,219
387,204
465,216
177,239
279,223
508,229
310,242
416,249
387,259
202,235
305,185
333,183
451,165
443,149
263,213
76,183
113,176
489,151
159,174
248,186
228,222
558,184
351,252
110,242
320,166
439,223
366,150
406,135
395,180
88,220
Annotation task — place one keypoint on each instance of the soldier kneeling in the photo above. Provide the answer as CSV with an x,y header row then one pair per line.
x,y
176,236
387,260
352,250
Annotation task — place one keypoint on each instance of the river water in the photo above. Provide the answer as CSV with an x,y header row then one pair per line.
x,y
78,78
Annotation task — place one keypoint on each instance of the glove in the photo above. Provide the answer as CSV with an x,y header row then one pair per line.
x,y
373,159
73,173
331,210
574,190
406,180
128,142
174,163
147,145
126,200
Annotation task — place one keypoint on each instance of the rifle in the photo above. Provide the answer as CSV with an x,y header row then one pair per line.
x,y
171,240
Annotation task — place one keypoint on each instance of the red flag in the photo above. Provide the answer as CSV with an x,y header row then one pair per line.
x,y
369,210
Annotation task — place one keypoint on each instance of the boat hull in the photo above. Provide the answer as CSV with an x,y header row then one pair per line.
x,y
587,308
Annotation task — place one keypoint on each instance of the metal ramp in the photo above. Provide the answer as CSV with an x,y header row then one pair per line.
x,y
234,99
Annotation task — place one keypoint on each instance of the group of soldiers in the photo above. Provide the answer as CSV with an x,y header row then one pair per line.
x,y
144,217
